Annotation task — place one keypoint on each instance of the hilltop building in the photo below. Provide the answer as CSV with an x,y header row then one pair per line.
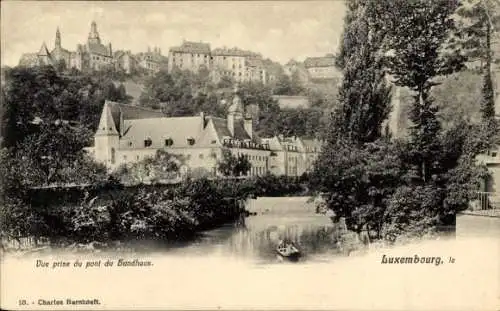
x,y
91,55
125,61
127,134
239,64
189,56
152,61
322,67
44,57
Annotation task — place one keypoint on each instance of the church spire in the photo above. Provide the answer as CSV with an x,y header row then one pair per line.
x,y
58,38
94,35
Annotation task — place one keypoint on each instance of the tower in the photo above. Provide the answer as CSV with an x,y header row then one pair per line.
x,y
94,35
58,39
106,139
235,111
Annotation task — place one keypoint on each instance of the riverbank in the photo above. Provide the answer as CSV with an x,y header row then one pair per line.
x,y
122,217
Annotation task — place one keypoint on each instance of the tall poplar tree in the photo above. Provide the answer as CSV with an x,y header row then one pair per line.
x,y
364,95
356,171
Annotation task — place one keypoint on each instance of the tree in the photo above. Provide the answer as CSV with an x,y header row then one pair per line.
x,y
364,96
54,147
163,166
48,119
358,182
232,165
415,61
358,171
478,21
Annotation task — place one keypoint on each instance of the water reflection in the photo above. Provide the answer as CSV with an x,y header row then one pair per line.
x,y
256,237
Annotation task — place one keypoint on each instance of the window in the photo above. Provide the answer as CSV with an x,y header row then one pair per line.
x,y
148,142
190,141
213,142
113,155
124,158
169,142
494,154
137,158
201,156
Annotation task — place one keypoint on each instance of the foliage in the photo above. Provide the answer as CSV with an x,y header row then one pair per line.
x,y
299,122
399,187
357,182
146,212
478,20
43,94
457,97
289,85
364,96
425,28
162,167
233,165
48,118
413,210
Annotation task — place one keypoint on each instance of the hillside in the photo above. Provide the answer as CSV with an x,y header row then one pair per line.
x,y
133,89
458,98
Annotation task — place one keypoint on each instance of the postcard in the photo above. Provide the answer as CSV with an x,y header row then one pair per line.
x,y
250,155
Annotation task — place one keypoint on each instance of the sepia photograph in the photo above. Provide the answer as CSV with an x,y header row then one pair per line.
x,y
250,155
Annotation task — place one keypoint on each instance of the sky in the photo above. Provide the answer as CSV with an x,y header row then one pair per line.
x,y
280,30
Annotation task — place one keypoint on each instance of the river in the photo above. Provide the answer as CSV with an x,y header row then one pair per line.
x,y
256,237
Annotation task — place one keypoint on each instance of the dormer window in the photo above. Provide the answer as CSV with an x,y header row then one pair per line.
x,y
148,142
169,142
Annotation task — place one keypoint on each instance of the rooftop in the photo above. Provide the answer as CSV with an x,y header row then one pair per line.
x,y
129,112
192,47
179,129
232,52
326,61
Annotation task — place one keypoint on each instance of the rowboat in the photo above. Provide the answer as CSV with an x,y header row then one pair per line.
x,y
288,250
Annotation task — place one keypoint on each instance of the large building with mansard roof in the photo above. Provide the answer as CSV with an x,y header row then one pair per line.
x,y
128,134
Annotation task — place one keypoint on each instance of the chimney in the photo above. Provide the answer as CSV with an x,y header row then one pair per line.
x,y
230,123
202,119
248,125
